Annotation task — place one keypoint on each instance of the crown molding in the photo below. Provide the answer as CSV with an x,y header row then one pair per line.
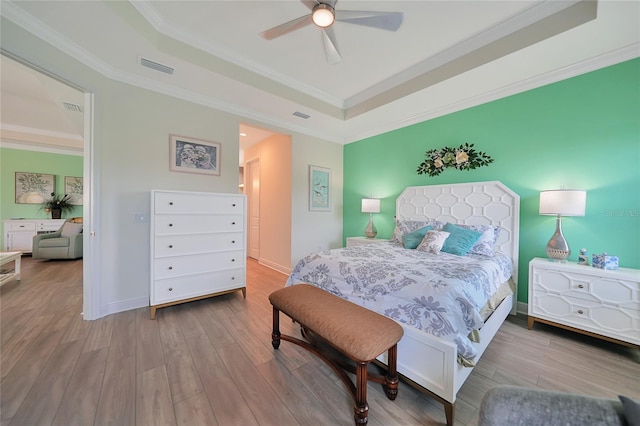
x,y
161,26
49,35
501,30
25,146
610,58
40,132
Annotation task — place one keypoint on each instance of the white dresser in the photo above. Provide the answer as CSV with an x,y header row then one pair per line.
x,y
588,300
19,233
198,246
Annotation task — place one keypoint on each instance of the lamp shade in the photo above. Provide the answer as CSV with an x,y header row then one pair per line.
x,y
565,202
370,205
323,15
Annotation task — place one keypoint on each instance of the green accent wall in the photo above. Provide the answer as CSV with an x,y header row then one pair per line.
x,y
17,160
580,133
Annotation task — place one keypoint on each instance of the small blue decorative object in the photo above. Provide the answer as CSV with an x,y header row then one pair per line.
x,y
604,261
583,259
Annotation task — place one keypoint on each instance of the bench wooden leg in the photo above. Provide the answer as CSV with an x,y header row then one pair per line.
x,y
391,379
275,334
361,408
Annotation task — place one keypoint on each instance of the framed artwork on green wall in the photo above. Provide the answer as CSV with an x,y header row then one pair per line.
x,y
319,189
73,187
33,188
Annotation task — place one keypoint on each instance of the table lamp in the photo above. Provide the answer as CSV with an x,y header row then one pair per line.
x,y
371,206
561,202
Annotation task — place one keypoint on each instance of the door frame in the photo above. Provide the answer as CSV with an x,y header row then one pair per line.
x,y
249,192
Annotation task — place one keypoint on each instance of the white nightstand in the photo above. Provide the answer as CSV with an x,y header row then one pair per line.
x,y
359,241
588,300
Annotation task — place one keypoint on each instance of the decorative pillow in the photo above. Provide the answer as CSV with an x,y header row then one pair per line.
x,y
487,240
460,241
412,239
406,226
631,410
433,241
70,229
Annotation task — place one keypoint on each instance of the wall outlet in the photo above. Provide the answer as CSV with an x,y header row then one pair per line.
x,y
139,217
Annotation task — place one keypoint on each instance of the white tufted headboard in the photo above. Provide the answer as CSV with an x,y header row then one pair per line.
x,y
474,203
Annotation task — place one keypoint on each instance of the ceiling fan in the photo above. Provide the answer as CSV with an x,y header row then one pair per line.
x,y
324,14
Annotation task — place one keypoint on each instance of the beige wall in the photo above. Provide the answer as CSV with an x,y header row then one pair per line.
x,y
274,154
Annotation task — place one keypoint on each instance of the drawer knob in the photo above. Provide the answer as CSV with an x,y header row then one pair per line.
x,y
170,288
170,225
233,241
234,204
170,203
233,278
233,223
170,267
580,311
170,245
233,260
580,286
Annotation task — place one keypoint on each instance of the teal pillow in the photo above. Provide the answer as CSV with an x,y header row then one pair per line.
x,y
413,239
460,241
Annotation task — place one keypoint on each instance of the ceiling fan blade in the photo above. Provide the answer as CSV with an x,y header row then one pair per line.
x,y
309,3
330,46
389,21
287,27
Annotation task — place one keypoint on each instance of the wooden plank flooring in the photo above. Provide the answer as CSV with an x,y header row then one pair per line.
x,y
211,362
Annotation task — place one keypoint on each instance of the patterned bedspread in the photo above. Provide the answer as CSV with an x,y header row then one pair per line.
x,y
440,294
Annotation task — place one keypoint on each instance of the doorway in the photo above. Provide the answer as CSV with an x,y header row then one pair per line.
x,y
53,93
252,189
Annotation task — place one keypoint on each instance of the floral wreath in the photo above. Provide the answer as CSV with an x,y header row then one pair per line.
x,y
461,158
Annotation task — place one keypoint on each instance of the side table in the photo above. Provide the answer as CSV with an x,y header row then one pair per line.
x,y
10,256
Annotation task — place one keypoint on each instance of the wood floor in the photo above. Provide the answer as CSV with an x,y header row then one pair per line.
x,y
211,362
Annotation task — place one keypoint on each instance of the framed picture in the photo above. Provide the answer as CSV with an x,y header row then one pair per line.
x,y
73,187
319,189
194,155
34,188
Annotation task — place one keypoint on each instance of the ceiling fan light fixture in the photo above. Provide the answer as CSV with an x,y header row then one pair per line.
x,y
323,15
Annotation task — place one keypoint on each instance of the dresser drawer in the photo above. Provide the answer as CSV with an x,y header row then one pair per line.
x,y
176,266
17,226
604,319
197,224
184,203
168,290
608,289
172,245
50,225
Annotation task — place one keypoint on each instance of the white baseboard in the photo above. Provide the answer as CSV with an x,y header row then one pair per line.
x,y
522,308
124,305
280,268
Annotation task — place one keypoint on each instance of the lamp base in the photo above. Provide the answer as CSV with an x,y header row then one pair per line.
x,y
370,231
557,247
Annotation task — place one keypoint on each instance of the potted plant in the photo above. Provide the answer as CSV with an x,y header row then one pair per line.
x,y
57,205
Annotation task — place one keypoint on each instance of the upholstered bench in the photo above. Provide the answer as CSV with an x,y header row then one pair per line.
x,y
357,333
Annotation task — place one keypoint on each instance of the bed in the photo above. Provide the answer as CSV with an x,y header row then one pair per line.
x,y
441,344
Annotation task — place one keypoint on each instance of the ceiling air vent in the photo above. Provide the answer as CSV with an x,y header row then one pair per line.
x,y
72,107
301,115
156,66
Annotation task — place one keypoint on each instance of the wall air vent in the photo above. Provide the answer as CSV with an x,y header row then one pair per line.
x,y
156,66
72,107
301,115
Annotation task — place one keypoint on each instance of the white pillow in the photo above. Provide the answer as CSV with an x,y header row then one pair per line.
x,y
433,241
70,229
487,240
406,226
